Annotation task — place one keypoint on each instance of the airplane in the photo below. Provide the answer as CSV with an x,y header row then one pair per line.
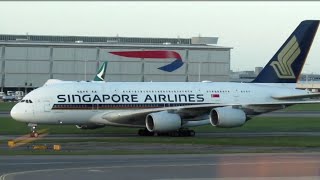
x,y
171,108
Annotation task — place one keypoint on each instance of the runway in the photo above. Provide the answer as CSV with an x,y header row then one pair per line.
x,y
302,166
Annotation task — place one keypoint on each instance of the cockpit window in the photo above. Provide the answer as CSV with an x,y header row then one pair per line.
x,y
26,100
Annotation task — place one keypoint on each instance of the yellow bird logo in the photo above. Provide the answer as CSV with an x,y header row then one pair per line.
x,y
285,59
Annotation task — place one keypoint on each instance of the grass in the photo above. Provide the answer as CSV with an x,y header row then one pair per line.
x,y
296,141
6,106
270,124
304,107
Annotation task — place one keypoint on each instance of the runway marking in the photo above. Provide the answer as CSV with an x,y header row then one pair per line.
x,y
4,176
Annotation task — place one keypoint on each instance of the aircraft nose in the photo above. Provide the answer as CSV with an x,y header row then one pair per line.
x,y
16,114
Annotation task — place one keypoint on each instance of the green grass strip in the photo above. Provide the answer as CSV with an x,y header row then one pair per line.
x,y
282,141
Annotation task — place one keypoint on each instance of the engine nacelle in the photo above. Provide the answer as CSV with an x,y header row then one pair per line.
x,y
163,122
227,117
89,126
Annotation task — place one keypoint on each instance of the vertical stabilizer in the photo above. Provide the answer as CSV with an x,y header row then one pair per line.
x,y
286,65
101,72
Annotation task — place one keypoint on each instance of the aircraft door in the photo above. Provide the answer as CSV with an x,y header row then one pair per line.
x,y
236,95
47,106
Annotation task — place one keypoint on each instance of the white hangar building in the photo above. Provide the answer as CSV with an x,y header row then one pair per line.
x,y
28,61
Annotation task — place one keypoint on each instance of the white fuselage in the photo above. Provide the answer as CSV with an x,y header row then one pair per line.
x,y
84,102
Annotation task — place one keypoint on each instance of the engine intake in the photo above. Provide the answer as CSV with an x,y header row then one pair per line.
x,y
227,117
163,122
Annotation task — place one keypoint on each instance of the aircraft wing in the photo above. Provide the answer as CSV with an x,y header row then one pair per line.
x,y
313,95
136,118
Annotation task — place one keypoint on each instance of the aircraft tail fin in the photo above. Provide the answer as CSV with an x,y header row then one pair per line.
x,y
286,65
101,72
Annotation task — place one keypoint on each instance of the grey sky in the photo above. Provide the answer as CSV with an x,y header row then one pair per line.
x,y
255,29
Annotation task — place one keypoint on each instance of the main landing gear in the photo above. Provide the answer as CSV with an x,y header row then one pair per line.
x,y
145,132
177,133
33,128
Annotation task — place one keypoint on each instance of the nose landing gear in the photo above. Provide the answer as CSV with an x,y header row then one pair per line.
x,y
33,128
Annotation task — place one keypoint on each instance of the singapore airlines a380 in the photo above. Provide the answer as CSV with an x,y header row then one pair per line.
x,y
172,108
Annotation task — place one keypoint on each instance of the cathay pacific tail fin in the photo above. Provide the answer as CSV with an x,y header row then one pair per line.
x,y
101,72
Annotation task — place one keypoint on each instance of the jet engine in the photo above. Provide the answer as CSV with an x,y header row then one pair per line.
x,y
227,117
90,126
163,122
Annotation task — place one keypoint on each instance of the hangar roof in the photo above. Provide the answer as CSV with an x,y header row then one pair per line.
x,y
95,41
88,45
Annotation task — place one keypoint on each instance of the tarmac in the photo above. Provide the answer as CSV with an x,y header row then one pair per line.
x,y
301,166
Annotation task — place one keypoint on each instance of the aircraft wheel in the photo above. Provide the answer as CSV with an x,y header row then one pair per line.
x,y
145,132
192,133
34,134
141,132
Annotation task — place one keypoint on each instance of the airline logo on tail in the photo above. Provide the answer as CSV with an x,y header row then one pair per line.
x,y
285,59
101,73
155,55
